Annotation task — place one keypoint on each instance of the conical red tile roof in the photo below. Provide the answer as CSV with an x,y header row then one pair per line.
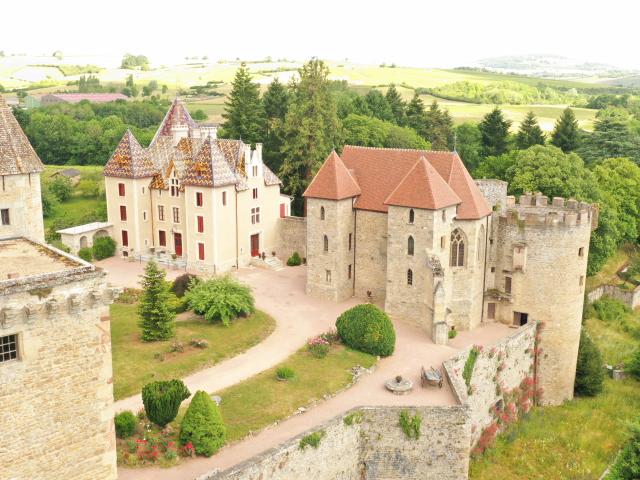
x,y
333,181
424,188
17,156
129,160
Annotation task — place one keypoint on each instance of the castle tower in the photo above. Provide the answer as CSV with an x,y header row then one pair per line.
x,y
421,210
20,167
330,231
539,263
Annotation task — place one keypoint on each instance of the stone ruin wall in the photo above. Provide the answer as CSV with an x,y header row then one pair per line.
x,y
57,399
373,448
631,298
498,369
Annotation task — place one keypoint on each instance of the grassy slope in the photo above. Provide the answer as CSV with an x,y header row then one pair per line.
x,y
133,361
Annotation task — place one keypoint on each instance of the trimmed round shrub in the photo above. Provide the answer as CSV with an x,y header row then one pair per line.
x,y
202,425
367,328
162,400
104,247
86,254
220,299
589,371
294,260
125,424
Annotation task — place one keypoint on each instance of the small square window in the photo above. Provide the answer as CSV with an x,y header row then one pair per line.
x,y
493,269
8,348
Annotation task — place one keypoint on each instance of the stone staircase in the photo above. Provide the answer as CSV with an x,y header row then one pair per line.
x,y
272,263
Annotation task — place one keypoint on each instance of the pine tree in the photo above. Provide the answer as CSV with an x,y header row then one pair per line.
x,y
243,111
378,105
156,316
311,129
416,117
495,133
529,133
397,105
589,373
439,127
566,134
276,104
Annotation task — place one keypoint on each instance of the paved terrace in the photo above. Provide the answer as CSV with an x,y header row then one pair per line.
x,y
20,258
298,317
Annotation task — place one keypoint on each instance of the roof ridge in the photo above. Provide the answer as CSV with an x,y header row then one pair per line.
x,y
401,149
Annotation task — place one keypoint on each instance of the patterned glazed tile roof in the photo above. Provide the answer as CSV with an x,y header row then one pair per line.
x,y
130,160
424,188
270,178
333,181
209,168
176,115
16,153
232,150
380,170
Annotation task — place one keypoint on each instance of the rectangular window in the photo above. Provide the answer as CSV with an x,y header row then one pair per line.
x,y
144,216
282,211
175,187
200,251
161,213
350,238
4,213
493,269
581,252
224,198
254,170
125,238
9,348
327,276
162,238
198,199
123,213
507,284
581,280
200,223
121,189
443,241
349,271
255,215
176,215
255,193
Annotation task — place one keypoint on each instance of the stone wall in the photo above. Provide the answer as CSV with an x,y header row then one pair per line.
x,y
495,191
630,298
21,195
498,370
373,447
56,419
292,237
371,254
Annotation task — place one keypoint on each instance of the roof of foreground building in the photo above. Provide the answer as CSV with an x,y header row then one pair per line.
x,y
17,156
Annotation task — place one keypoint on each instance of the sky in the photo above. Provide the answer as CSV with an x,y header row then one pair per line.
x,y
424,33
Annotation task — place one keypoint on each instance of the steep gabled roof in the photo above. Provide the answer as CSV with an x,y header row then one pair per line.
x,y
270,178
176,115
209,168
333,181
130,160
424,188
16,153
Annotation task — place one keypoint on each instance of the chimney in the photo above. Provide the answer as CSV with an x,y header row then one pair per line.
x,y
258,153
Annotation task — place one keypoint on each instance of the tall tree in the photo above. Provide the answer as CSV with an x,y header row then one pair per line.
x,y
611,137
495,133
378,105
156,315
276,104
397,105
311,129
416,117
243,111
566,134
439,127
529,133
468,144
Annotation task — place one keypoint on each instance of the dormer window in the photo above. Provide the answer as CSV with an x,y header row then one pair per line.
x,y
175,187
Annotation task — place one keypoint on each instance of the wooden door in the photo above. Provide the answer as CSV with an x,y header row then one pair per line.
x,y
177,243
255,245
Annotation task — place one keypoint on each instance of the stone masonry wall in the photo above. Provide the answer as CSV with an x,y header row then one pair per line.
x,y
56,415
371,254
630,298
498,369
292,237
373,447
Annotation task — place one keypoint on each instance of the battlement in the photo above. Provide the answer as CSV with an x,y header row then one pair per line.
x,y
536,210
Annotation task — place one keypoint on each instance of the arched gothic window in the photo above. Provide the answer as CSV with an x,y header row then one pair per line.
x,y
411,216
409,277
457,248
321,213
326,243
410,245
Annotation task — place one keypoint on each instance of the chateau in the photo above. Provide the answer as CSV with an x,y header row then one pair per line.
x,y
56,419
192,199
411,230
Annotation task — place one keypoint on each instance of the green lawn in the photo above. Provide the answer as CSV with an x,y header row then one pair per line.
x,y
136,363
261,400
75,209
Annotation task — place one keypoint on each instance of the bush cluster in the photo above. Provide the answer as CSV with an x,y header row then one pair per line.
x,y
125,423
162,400
589,371
181,284
367,328
86,254
220,299
104,247
294,260
610,309
203,426
627,465
285,373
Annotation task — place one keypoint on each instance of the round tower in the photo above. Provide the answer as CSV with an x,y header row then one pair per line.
x,y
540,265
